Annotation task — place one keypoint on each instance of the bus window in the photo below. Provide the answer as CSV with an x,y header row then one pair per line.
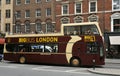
x,y
44,47
10,47
89,29
51,48
1,48
71,30
92,47
77,30
21,48
37,47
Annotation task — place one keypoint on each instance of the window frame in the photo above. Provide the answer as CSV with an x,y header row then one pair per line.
x,y
18,2
38,1
27,14
8,13
66,10
8,1
38,12
95,7
113,2
48,11
27,1
80,3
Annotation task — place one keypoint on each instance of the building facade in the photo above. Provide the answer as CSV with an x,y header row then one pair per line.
x,y
6,16
106,12
34,16
29,16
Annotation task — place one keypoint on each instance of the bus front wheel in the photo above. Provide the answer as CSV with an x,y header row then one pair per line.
x,y
75,62
22,59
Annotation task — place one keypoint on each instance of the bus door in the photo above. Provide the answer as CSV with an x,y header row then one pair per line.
x,y
93,52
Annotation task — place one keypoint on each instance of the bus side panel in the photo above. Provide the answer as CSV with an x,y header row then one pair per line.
x,y
47,58
10,57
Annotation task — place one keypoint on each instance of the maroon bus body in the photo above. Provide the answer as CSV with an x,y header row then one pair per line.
x,y
79,50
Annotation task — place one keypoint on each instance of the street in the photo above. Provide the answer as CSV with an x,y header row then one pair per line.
x,y
16,69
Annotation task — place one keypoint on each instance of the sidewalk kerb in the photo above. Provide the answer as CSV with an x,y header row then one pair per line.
x,y
104,71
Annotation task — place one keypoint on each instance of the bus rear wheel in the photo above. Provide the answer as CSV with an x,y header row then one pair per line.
x,y
75,62
22,59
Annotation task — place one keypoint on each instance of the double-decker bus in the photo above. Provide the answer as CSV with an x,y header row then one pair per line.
x,y
77,44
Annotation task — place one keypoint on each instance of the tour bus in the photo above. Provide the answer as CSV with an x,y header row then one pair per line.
x,y
77,44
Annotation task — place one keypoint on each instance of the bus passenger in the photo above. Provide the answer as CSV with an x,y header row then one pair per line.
x,y
22,50
88,31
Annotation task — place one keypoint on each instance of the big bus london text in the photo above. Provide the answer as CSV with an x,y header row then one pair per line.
x,y
77,44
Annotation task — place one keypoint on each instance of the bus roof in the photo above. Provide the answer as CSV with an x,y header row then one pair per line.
x,y
80,24
33,35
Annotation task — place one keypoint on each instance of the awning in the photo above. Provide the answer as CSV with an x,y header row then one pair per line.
x,y
2,40
117,25
114,40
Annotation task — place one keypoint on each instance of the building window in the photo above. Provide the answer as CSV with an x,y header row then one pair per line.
x,y
78,19
93,18
38,1
49,27
18,14
7,13
27,1
8,1
116,5
0,14
116,23
39,27
27,14
18,2
0,2
93,6
48,0
18,28
38,13
65,9
48,11
7,27
27,27
65,20
58,0
78,8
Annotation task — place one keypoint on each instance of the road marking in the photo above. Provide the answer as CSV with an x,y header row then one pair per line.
x,y
9,67
72,70
64,71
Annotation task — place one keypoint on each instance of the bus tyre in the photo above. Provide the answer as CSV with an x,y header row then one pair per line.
x,y
75,62
22,59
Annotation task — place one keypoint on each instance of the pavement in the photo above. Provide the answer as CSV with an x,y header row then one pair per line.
x,y
107,71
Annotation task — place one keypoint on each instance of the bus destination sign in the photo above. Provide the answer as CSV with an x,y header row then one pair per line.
x,y
89,38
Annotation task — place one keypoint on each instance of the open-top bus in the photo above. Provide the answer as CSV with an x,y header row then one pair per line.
x,y
77,44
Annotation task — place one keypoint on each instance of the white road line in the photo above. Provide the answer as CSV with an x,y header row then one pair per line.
x,y
9,67
72,70
64,71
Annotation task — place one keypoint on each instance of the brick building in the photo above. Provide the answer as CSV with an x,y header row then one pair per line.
x,y
34,15
106,12
27,16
